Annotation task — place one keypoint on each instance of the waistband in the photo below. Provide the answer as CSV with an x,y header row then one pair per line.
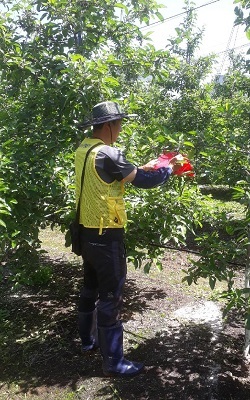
x,y
108,234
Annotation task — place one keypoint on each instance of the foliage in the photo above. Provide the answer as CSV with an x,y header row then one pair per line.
x,y
51,75
59,58
219,258
160,216
188,38
241,18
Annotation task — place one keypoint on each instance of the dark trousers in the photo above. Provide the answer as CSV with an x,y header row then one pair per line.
x,y
105,272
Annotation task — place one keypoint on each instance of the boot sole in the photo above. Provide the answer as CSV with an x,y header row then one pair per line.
x,y
89,351
122,375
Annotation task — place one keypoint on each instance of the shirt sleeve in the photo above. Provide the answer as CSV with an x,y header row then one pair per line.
x,y
151,179
111,164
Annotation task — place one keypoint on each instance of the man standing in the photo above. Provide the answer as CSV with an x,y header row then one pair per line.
x,y
102,219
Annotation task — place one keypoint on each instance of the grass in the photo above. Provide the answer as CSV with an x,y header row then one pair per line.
x,y
53,241
233,209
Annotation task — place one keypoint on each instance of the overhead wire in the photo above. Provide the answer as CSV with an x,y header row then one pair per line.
x,y
177,15
196,8
232,48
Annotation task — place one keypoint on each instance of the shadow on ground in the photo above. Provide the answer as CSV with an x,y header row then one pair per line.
x,y
40,349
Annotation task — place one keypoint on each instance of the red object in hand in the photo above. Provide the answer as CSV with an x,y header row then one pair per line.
x,y
185,169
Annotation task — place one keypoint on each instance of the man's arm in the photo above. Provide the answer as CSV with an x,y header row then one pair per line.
x,y
150,179
147,167
131,176
146,177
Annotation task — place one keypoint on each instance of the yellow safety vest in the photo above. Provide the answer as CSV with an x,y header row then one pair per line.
x,y
102,204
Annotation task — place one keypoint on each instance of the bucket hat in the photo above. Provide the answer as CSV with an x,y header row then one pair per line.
x,y
105,112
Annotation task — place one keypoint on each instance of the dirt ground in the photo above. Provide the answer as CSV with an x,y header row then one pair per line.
x,y
185,358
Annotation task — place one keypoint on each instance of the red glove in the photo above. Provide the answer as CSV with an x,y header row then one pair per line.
x,y
186,167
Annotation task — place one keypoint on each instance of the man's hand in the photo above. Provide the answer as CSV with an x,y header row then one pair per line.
x,y
149,166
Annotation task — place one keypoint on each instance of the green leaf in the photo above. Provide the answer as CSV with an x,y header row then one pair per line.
x,y
148,34
71,42
44,15
111,81
190,144
120,5
2,223
160,16
230,230
4,211
147,267
212,282
188,279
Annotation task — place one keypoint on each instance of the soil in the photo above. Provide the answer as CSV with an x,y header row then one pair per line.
x,y
189,351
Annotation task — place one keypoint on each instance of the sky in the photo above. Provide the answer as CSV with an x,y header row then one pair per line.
x,y
217,19
215,16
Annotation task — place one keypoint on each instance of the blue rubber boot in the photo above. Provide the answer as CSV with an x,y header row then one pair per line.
x,y
88,330
111,346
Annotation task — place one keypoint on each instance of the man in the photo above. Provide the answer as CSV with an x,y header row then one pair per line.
x,y
102,219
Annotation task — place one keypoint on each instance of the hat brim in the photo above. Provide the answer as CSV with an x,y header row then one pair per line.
x,y
107,118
